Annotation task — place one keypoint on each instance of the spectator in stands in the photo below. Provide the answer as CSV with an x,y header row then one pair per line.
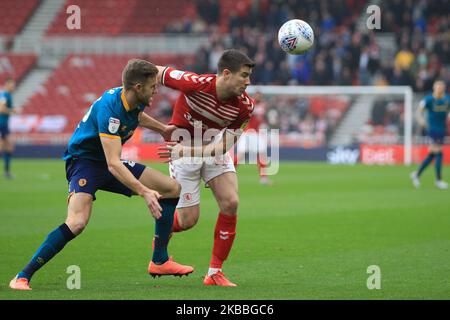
x,y
404,58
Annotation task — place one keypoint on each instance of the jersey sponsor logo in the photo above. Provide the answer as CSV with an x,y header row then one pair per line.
x,y
82,182
114,125
176,74
440,108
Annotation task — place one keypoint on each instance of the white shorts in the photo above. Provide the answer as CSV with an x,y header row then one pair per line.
x,y
190,171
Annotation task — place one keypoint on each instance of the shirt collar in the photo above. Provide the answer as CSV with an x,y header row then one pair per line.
x,y
124,101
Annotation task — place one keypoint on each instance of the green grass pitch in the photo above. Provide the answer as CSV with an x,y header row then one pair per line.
x,y
310,236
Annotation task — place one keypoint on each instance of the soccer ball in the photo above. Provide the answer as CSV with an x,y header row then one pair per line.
x,y
295,36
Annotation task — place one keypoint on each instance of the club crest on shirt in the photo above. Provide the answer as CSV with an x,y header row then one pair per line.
x,y
187,196
114,125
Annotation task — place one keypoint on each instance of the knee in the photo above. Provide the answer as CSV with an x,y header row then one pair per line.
x,y
174,190
230,205
186,222
76,225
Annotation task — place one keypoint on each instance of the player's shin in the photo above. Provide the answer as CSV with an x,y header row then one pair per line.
x,y
438,166
224,235
425,163
163,228
54,243
7,161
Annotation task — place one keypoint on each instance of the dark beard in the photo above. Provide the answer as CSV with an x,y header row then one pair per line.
x,y
142,100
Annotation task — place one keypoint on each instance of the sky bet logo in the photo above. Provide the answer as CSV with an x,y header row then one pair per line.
x,y
343,155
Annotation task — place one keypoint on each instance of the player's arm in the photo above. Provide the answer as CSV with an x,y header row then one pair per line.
x,y
112,148
229,139
175,151
3,108
184,81
420,116
151,123
159,77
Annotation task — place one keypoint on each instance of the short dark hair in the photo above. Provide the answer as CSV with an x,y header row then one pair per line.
x,y
137,71
234,60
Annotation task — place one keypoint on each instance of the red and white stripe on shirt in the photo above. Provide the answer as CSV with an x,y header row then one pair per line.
x,y
198,104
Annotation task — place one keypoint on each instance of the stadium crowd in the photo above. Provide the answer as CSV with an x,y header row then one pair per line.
x,y
343,53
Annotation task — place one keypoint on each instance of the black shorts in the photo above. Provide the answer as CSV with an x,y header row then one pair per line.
x,y
436,137
88,176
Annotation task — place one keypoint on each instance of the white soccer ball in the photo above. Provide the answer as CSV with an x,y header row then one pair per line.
x,y
295,36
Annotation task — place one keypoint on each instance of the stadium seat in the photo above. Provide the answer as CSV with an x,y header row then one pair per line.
x,y
80,80
15,14
16,66
116,17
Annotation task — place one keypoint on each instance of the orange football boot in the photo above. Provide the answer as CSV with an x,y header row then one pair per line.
x,y
218,279
19,284
168,268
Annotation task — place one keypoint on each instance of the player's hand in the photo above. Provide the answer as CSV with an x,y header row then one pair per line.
x,y
151,199
171,151
423,124
167,133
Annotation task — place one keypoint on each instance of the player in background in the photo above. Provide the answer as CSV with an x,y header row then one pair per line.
x,y
437,107
6,109
209,102
252,142
93,163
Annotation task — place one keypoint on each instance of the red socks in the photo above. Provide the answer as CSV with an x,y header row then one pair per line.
x,y
175,226
261,167
224,235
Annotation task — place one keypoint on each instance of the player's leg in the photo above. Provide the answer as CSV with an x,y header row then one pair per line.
x,y
78,213
225,189
437,148
187,212
261,156
425,163
84,177
169,188
7,147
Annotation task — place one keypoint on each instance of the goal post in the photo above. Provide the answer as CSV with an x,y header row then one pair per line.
x,y
360,100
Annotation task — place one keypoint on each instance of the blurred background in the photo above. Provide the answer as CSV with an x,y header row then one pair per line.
x,y
61,68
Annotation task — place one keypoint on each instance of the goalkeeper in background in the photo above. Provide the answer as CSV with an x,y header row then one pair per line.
x,y
437,107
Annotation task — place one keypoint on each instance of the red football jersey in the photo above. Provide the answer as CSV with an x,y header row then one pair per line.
x,y
198,104
257,119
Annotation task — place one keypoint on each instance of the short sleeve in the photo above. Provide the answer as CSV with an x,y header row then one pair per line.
x,y
108,124
247,106
422,104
